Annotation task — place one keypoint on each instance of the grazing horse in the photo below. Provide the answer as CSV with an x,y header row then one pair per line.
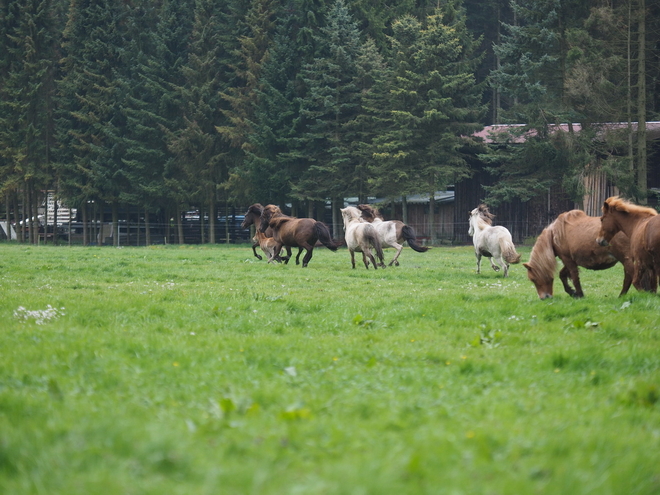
x,y
491,242
392,233
642,226
264,240
360,236
571,238
295,232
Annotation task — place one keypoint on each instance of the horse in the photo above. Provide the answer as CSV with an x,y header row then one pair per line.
x,y
360,236
392,233
491,242
642,226
263,240
289,231
571,238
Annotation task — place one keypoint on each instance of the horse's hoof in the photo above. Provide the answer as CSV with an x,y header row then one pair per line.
x,y
259,258
396,263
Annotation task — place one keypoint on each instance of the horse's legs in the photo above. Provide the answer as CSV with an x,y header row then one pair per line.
x,y
288,255
364,259
478,255
308,255
563,276
300,250
366,253
495,266
254,250
571,269
276,253
399,248
352,257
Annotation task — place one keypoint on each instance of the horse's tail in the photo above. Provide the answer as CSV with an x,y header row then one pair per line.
x,y
323,234
509,251
371,235
408,234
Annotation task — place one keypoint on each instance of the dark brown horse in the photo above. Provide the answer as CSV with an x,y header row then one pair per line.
x,y
571,238
392,233
302,233
642,226
264,240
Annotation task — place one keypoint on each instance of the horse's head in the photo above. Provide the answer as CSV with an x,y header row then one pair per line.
x,y
267,214
541,280
350,214
619,214
253,213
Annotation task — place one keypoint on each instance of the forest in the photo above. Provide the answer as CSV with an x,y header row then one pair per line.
x,y
163,106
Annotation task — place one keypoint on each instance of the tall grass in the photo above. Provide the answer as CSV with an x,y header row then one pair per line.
x,y
201,370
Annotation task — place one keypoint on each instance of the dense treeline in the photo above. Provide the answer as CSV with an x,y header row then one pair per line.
x,y
165,105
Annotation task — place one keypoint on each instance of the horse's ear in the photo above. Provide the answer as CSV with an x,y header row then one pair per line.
x,y
606,206
528,266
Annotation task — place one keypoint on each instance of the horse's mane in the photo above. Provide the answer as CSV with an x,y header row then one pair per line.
x,y
542,258
484,214
619,204
369,213
256,208
353,212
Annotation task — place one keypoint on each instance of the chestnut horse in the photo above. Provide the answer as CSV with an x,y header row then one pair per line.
x,y
360,237
295,232
495,243
571,238
392,233
642,226
263,240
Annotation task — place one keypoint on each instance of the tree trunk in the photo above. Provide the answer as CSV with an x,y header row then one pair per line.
x,y
404,208
147,229
179,224
115,224
212,216
432,232
85,221
641,105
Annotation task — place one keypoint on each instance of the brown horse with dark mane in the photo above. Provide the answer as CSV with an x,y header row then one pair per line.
x,y
642,226
392,233
295,232
264,240
571,238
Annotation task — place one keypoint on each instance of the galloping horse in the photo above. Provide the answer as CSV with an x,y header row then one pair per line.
x,y
571,238
392,233
642,226
360,236
295,232
491,242
263,240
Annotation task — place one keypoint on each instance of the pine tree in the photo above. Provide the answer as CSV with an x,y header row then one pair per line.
x,y
435,104
91,101
331,102
27,99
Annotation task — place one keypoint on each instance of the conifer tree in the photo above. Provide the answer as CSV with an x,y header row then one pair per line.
x,y
332,100
27,93
91,101
435,104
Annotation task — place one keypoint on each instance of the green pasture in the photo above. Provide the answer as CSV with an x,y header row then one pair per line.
x,y
200,370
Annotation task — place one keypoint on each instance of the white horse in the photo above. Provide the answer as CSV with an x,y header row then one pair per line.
x,y
360,236
392,233
492,242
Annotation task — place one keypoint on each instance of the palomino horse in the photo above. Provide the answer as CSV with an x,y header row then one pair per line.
x,y
642,226
263,240
295,232
360,236
571,238
494,243
392,233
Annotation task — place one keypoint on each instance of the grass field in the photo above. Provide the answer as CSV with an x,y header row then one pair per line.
x,y
200,370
